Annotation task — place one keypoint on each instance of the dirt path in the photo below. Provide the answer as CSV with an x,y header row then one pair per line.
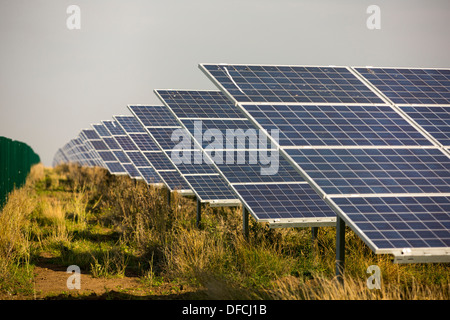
x,y
50,282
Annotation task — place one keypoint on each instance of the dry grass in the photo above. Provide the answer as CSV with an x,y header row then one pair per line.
x,y
114,224
15,245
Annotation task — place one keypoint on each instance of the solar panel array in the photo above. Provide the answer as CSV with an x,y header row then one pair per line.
x,y
119,143
267,197
203,179
145,153
371,145
109,159
347,134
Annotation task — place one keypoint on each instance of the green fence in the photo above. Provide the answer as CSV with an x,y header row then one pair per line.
x,y
16,159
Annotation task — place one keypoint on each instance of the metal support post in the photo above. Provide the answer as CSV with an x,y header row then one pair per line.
x,y
340,249
199,212
245,216
168,197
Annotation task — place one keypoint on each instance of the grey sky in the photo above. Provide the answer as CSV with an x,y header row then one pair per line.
x,y
55,81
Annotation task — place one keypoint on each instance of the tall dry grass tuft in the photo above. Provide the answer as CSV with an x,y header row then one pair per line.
x,y
14,244
36,174
51,212
321,288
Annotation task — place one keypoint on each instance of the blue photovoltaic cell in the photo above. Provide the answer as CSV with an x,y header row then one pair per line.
x,y
152,116
130,124
111,142
199,104
90,134
126,143
107,156
410,86
114,167
433,119
149,174
144,141
174,180
138,159
401,222
131,169
101,130
255,167
99,145
276,201
212,187
163,136
341,125
159,161
224,134
352,171
113,127
249,83
191,162
121,156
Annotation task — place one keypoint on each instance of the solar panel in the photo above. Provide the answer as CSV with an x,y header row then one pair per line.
x,y
240,131
101,130
108,157
410,85
292,84
395,222
121,156
202,178
91,134
159,161
112,143
154,117
113,128
116,131
147,148
371,171
196,104
114,167
144,142
132,171
126,143
92,158
433,119
163,136
129,124
248,168
337,125
288,201
175,180
191,162
243,171
211,186
360,155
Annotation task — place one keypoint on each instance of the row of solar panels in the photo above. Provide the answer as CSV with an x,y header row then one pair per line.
x,y
370,145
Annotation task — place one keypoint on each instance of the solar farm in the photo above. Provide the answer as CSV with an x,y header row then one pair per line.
x,y
363,147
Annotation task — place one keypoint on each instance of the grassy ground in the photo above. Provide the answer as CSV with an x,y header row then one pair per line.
x,y
129,244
